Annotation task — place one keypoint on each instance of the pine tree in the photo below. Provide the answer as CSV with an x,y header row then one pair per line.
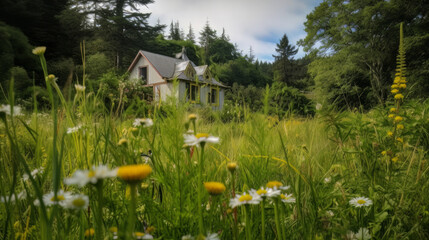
x,y
190,36
284,60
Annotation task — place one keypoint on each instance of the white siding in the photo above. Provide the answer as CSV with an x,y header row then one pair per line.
x,y
153,76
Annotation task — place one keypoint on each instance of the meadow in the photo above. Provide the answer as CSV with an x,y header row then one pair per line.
x,y
173,171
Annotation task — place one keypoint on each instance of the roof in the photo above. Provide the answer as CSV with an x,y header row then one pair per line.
x,y
170,67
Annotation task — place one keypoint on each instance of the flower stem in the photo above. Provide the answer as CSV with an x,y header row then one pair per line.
x,y
263,218
132,211
99,212
277,219
248,225
199,192
235,209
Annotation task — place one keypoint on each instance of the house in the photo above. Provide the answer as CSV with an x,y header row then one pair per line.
x,y
195,83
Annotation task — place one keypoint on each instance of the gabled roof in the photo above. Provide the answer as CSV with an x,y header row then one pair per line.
x,y
169,67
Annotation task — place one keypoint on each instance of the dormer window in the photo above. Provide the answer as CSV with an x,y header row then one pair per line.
x,y
207,75
143,75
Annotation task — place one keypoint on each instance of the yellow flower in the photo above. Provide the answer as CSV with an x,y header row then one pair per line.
x,y
122,141
397,80
391,115
393,110
51,78
395,159
89,232
398,119
134,173
394,86
214,188
150,229
192,117
39,50
274,184
384,153
403,80
399,96
138,234
400,127
403,85
231,166
113,229
400,140
389,133
394,91
246,197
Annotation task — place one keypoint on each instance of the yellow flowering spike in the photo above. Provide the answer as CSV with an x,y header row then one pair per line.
x,y
39,50
389,133
214,188
399,96
398,119
134,173
403,85
394,91
394,86
274,184
397,80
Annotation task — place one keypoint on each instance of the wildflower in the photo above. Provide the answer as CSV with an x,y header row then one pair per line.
x,y
78,202
6,109
251,198
13,198
287,198
389,133
138,235
123,142
394,91
73,129
212,236
284,188
214,188
403,86
33,173
145,122
360,202
391,116
232,166
113,230
394,86
399,139
393,110
83,177
395,159
79,88
403,81
327,180
50,199
267,192
147,236
39,50
398,119
89,232
400,126
384,153
51,78
397,80
150,229
362,234
329,213
192,117
399,96
187,237
274,184
134,173
193,140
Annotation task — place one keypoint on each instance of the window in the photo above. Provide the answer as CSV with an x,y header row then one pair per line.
x,y
143,74
214,96
194,93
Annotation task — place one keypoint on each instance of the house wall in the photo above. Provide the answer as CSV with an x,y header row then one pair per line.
x,y
153,75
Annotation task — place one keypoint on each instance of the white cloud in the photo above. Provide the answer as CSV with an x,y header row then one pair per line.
x,y
255,23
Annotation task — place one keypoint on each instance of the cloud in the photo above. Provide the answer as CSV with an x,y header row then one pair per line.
x,y
255,23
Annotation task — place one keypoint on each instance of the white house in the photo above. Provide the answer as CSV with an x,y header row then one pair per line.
x,y
196,84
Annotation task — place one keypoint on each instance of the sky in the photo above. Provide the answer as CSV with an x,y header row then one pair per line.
x,y
256,23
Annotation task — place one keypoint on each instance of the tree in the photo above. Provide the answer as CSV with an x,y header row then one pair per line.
x,y
190,36
175,31
207,37
284,60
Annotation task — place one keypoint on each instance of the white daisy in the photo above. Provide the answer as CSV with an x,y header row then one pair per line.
x,y
287,198
73,129
284,188
78,202
145,122
192,140
266,192
6,109
212,236
360,202
34,173
250,198
50,199
362,234
13,198
147,236
83,177
79,88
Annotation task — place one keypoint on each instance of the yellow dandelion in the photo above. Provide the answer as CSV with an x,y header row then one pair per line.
x,y
274,184
39,50
400,140
398,119
192,117
395,159
393,110
389,133
399,96
400,126
134,173
89,232
232,166
403,85
214,188
123,142
394,91
391,115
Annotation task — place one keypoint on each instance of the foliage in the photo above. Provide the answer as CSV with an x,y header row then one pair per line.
x,y
286,101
